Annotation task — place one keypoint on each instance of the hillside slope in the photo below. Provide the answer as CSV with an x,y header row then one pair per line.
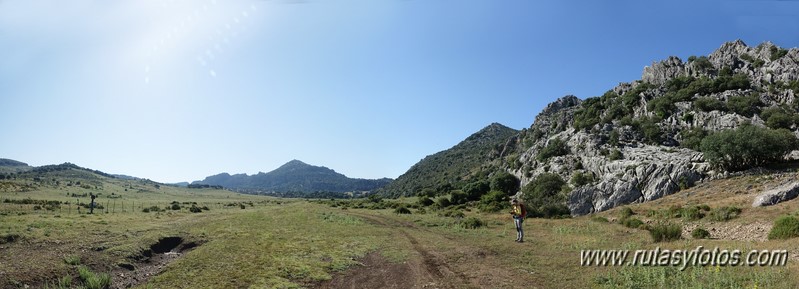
x,y
470,158
294,176
643,140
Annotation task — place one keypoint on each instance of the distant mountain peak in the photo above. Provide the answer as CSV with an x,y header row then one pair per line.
x,y
295,176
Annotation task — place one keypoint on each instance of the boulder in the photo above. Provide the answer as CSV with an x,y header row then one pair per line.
x,y
777,195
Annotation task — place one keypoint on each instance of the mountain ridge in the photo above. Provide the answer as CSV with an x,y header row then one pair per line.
x,y
469,158
294,176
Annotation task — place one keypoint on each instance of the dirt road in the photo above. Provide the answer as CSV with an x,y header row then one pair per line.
x,y
430,265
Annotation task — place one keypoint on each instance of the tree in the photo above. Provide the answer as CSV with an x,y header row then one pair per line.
x,y
458,197
748,146
544,197
505,182
476,189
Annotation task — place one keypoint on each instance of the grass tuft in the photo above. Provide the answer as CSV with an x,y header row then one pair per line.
x,y
665,232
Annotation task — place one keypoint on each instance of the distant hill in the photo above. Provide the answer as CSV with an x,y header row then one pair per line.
x,y
294,176
469,158
12,166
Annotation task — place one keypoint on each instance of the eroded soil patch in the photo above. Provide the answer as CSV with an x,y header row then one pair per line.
x,y
151,262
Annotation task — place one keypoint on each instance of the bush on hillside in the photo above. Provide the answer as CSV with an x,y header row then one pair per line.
x,y
443,202
692,138
779,117
625,212
724,214
544,197
665,232
475,190
580,179
471,223
747,146
785,227
424,201
505,182
700,233
458,197
494,201
745,105
631,223
555,147
708,104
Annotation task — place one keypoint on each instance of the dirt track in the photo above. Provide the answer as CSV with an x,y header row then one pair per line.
x,y
429,267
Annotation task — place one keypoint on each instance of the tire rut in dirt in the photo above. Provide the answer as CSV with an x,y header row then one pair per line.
x,y
438,269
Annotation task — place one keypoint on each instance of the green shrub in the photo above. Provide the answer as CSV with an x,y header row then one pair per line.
x,y
453,213
724,214
494,201
476,189
785,227
708,104
625,212
443,202
195,209
650,129
505,182
692,138
72,260
402,211
747,146
744,105
613,139
588,114
458,197
544,196
579,179
471,223
615,154
779,117
777,53
704,64
700,233
175,206
599,219
555,211
662,106
693,213
555,147
674,212
665,232
631,223
424,201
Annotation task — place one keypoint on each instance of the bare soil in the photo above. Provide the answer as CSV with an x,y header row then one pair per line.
x,y
430,267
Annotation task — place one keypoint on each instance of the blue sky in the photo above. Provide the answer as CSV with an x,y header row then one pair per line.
x,y
179,90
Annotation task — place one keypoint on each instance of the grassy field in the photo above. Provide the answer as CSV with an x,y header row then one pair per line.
x,y
244,241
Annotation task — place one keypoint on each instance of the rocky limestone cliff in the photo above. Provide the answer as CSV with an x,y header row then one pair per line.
x,y
616,149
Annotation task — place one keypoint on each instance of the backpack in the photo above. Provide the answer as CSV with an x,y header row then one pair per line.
x,y
523,209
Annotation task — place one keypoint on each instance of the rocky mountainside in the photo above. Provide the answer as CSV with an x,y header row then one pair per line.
x,y
294,176
471,158
643,140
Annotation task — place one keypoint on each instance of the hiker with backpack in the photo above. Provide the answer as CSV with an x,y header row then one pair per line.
x,y
518,212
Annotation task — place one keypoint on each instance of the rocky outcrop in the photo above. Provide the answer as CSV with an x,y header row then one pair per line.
x,y
777,195
623,162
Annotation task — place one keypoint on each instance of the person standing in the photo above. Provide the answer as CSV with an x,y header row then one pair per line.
x,y
519,213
